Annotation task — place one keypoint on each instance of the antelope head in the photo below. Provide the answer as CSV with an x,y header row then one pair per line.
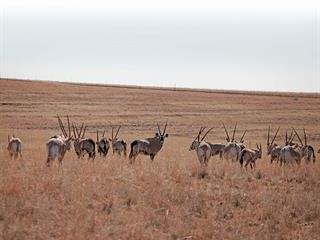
x,y
114,138
259,151
162,135
79,134
67,136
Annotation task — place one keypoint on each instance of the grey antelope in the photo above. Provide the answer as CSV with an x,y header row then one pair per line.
x,y
118,145
250,156
83,145
307,151
290,153
202,148
59,144
102,144
233,148
149,146
272,148
14,147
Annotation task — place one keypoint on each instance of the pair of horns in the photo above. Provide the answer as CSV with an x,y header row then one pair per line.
x,y
114,137
164,129
234,132
291,137
200,132
268,143
305,137
104,131
62,127
79,133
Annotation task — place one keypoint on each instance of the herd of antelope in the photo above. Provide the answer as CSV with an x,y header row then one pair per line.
x,y
233,150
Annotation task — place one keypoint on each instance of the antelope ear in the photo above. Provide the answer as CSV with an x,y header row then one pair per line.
x,y
167,135
157,134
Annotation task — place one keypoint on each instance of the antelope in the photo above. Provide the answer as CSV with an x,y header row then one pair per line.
x,y
232,149
203,149
118,145
307,151
14,147
82,145
290,153
102,144
59,144
272,148
149,146
250,156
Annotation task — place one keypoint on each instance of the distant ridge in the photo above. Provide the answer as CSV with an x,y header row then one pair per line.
x,y
177,89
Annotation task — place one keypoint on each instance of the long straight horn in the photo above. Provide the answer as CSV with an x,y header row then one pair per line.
x,y
117,132
62,127
77,131
69,126
112,133
305,137
268,142
225,129
97,136
84,131
291,137
74,131
298,136
80,131
234,131
275,135
286,138
243,135
158,128
206,134
165,128
104,131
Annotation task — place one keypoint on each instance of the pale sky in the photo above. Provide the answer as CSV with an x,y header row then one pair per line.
x,y
196,44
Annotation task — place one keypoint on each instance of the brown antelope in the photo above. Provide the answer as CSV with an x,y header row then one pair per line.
x,y
232,149
307,151
250,156
272,148
149,146
14,147
202,148
59,144
102,144
83,145
118,145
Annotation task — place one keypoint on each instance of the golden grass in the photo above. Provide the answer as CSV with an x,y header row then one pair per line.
x,y
170,198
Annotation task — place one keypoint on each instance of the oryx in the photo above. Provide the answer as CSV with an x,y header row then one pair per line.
x,y
250,156
290,153
59,144
118,145
14,147
149,146
272,148
102,144
83,145
202,148
307,151
232,149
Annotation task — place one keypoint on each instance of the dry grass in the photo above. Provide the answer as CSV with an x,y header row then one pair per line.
x,y
170,198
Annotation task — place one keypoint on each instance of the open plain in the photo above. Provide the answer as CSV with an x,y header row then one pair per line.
x,y
169,198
